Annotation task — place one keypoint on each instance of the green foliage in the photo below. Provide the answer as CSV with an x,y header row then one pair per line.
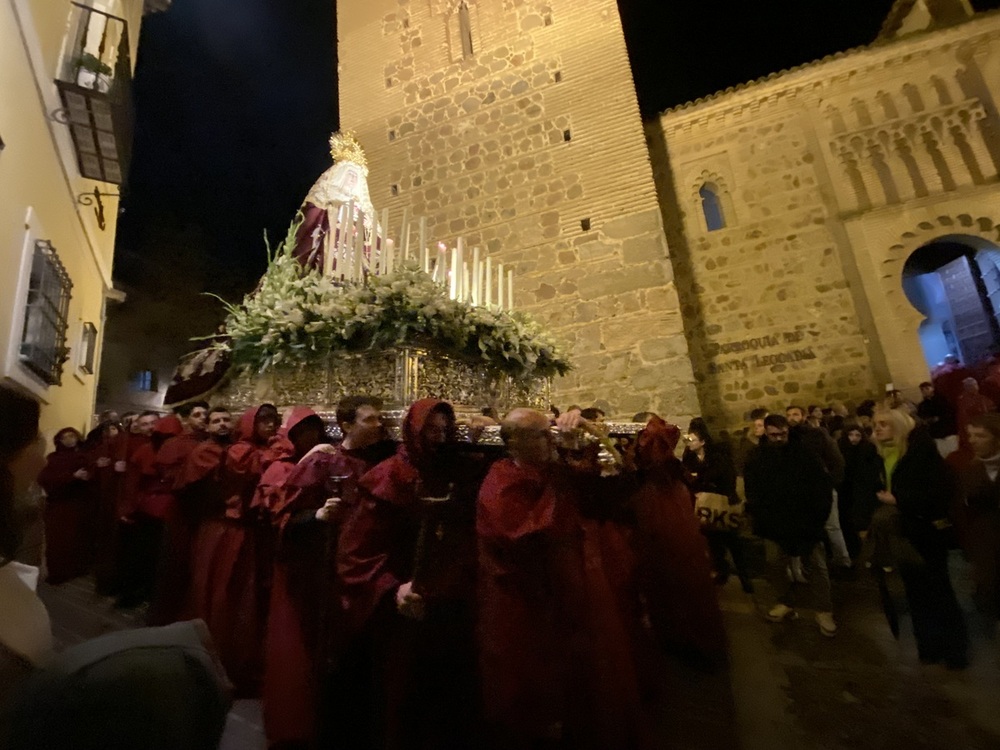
x,y
297,315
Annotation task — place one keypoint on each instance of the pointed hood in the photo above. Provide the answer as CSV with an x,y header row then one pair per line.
x,y
245,427
416,420
294,417
656,445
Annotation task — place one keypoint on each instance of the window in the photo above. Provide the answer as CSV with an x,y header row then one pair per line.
x,y
43,339
465,29
146,380
88,347
711,206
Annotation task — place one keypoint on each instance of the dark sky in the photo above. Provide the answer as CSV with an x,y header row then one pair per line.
x,y
235,100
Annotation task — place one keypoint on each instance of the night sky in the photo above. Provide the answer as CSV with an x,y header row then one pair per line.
x,y
235,101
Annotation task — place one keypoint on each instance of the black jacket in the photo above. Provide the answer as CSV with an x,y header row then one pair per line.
x,y
789,494
715,474
817,440
863,470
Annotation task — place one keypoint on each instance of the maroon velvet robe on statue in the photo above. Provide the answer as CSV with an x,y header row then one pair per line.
x,y
69,513
304,596
226,587
425,669
554,647
675,570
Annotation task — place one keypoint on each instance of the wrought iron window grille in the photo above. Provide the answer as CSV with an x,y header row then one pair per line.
x,y
43,339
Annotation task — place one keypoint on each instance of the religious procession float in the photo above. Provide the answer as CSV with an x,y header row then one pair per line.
x,y
348,307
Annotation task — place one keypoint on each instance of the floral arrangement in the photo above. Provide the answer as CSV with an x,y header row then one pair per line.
x,y
298,315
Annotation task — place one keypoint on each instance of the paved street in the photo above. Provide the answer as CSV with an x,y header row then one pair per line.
x,y
788,686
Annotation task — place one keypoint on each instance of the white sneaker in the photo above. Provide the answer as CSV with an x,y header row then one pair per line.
x,y
781,612
826,624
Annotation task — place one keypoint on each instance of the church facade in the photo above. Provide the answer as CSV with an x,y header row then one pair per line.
x,y
828,230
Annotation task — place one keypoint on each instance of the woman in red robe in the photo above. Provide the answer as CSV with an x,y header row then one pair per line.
x,y
69,510
226,590
675,570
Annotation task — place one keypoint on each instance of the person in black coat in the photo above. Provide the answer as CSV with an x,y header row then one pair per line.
x,y
709,467
919,487
862,480
981,495
789,496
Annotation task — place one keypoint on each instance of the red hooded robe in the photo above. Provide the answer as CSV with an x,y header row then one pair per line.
x,y
554,646
304,595
69,511
675,570
427,669
227,590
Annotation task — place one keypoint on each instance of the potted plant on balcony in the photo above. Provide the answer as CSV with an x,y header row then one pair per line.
x,y
92,72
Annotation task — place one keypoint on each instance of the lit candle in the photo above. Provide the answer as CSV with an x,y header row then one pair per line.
x,y
475,275
465,282
510,291
460,264
405,235
489,281
454,273
390,265
500,286
423,244
384,256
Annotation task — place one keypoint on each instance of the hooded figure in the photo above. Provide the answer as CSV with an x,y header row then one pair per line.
x,y
228,584
675,571
68,481
406,562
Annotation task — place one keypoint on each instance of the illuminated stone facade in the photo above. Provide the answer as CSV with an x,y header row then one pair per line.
x,y
791,204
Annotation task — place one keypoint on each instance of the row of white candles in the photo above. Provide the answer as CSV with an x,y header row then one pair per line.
x,y
475,283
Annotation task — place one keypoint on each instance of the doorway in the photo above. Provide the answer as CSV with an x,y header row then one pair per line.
x,y
954,281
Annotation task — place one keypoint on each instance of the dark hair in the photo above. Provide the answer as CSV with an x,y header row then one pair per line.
x,y
592,413
643,416
759,413
812,407
851,425
347,409
777,420
150,414
926,384
20,429
218,410
699,428
57,440
795,406
866,409
988,422
184,410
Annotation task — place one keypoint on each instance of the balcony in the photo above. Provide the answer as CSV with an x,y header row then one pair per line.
x,y
95,86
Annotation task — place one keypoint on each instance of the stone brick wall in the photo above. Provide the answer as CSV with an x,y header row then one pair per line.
x,y
532,148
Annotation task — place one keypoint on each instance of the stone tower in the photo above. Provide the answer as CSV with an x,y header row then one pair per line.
x,y
514,123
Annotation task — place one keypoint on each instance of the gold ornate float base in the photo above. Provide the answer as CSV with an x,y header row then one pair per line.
x,y
397,376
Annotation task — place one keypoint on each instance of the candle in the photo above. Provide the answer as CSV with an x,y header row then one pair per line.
x,y
423,243
405,237
460,264
500,286
475,275
489,281
390,265
510,291
384,256
346,240
327,249
454,273
359,246
465,282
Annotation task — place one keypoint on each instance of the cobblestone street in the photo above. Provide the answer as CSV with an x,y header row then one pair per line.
x,y
788,686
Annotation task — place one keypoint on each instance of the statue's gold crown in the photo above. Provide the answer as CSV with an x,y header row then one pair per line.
x,y
344,146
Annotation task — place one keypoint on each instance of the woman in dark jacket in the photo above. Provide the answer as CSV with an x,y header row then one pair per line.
x,y
709,468
919,487
863,469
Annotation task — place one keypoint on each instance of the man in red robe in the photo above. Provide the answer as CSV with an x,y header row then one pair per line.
x,y
108,447
173,565
554,647
140,534
307,496
226,587
407,566
69,508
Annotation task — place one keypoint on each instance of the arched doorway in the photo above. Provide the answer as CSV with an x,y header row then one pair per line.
x,y
954,281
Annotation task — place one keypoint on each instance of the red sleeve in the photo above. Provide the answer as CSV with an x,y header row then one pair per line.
x,y
202,462
363,553
58,472
513,505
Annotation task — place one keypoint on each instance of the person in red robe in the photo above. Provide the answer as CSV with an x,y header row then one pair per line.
x,y
173,573
307,498
406,561
142,514
107,445
226,587
69,508
555,650
675,569
971,404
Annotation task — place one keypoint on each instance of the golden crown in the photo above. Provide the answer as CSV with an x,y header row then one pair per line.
x,y
344,146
